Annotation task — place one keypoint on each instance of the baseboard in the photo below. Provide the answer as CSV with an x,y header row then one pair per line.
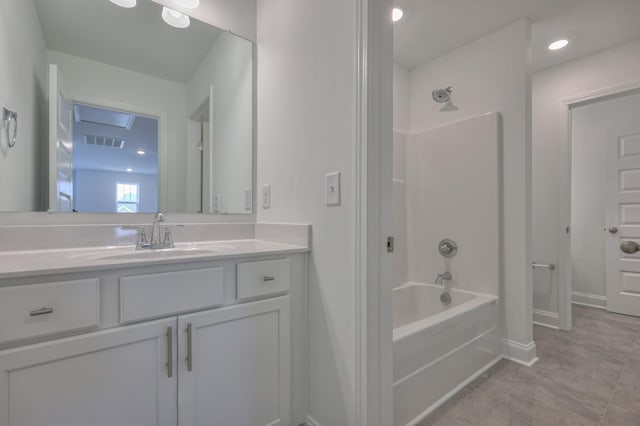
x,y
546,319
586,299
310,422
517,352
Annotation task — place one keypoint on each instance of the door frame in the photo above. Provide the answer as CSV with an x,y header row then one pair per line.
x,y
565,284
373,221
163,129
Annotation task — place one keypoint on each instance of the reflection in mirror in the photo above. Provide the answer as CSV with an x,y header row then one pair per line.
x,y
112,82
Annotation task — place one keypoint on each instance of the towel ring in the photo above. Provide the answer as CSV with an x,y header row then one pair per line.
x,y
7,118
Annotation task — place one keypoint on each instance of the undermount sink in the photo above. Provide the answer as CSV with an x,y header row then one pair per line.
x,y
161,253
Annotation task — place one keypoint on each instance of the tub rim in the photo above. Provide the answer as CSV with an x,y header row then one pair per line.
x,y
407,330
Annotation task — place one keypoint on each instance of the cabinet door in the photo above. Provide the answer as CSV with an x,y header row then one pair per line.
x,y
118,377
234,366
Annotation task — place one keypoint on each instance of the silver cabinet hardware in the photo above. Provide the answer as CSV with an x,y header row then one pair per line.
x,y
9,117
390,244
189,359
169,351
549,266
41,311
613,230
268,278
629,247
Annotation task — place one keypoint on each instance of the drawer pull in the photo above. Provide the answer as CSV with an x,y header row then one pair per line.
x,y
268,278
42,311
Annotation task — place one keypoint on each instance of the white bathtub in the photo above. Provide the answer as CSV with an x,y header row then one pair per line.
x,y
438,349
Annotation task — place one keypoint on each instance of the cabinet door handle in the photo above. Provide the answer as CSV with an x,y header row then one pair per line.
x,y
42,311
189,360
170,351
268,278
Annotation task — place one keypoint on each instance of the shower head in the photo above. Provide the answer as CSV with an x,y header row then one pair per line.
x,y
442,95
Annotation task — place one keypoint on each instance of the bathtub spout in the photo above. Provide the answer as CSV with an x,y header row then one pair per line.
x,y
441,278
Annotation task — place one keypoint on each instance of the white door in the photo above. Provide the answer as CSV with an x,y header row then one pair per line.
x,y
623,218
60,144
117,377
234,367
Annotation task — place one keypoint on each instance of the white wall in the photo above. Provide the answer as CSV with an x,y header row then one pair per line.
x,y
228,66
306,128
95,190
401,126
87,79
492,74
607,69
453,191
23,89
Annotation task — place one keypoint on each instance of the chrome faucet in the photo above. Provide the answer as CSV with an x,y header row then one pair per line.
x,y
155,229
441,278
155,242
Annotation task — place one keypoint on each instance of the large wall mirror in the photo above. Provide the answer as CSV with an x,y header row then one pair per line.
x,y
125,109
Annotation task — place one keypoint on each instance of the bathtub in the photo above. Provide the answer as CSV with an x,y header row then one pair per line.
x,y
438,349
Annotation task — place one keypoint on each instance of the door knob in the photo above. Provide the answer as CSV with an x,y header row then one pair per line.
x,y
629,247
613,230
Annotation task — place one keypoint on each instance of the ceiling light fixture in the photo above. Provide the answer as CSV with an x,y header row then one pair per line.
x,y
125,3
140,152
174,18
397,14
185,4
558,44
129,169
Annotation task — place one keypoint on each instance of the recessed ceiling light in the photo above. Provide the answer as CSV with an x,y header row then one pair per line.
x,y
125,3
186,4
174,18
129,169
396,14
140,152
559,44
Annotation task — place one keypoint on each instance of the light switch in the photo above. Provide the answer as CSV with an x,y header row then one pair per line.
x,y
266,197
247,199
333,189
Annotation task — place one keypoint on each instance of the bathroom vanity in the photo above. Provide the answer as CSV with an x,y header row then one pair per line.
x,y
206,333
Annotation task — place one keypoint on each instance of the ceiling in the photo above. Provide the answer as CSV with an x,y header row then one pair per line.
x,y
136,39
142,134
432,28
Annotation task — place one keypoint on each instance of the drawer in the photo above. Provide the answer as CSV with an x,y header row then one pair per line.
x,y
255,279
156,295
40,309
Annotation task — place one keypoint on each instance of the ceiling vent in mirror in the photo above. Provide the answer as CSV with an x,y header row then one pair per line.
x,y
104,141
106,117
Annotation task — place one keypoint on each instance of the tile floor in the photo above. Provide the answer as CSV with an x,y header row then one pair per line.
x,y
588,376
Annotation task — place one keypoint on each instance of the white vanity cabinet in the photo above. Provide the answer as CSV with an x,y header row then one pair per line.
x,y
234,367
198,344
112,377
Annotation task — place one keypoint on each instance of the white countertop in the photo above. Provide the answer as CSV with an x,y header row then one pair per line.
x,y
42,262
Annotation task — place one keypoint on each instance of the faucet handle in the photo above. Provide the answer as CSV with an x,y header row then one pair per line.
x,y
142,234
168,236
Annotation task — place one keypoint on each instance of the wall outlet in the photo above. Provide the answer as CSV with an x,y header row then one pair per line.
x,y
266,197
248,199
333,189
